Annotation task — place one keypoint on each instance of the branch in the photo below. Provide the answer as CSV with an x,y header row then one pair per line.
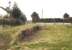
x,y
5,9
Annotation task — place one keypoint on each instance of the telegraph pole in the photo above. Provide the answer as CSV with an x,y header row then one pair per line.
x,y
42,12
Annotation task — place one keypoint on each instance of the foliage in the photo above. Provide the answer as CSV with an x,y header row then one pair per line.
x,y
66,15
16,11
35,17
16,14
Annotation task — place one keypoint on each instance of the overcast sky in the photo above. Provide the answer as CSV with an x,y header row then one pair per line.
x,y
51,8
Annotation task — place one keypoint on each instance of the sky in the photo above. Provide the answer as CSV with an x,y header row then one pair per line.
x,y
51,8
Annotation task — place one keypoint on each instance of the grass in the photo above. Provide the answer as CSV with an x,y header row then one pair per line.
x,y
51,37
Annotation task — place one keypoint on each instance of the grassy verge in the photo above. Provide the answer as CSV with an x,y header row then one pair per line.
x,y
51,37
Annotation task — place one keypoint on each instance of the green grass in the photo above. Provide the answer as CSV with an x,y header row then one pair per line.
x,y
51,37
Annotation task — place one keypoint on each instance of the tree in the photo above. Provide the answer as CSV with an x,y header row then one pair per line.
x,y
7,9
35,17
16,14
66,18
66,15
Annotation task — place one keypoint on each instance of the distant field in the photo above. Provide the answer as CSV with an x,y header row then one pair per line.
x,y
51,37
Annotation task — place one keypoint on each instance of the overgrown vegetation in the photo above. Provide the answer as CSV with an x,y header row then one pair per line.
x,y
51,37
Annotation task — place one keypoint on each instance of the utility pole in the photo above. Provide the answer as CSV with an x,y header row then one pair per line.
x,y
42,12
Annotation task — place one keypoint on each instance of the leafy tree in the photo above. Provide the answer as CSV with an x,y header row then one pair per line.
x,y
35,17
16,12
66,18
66,15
